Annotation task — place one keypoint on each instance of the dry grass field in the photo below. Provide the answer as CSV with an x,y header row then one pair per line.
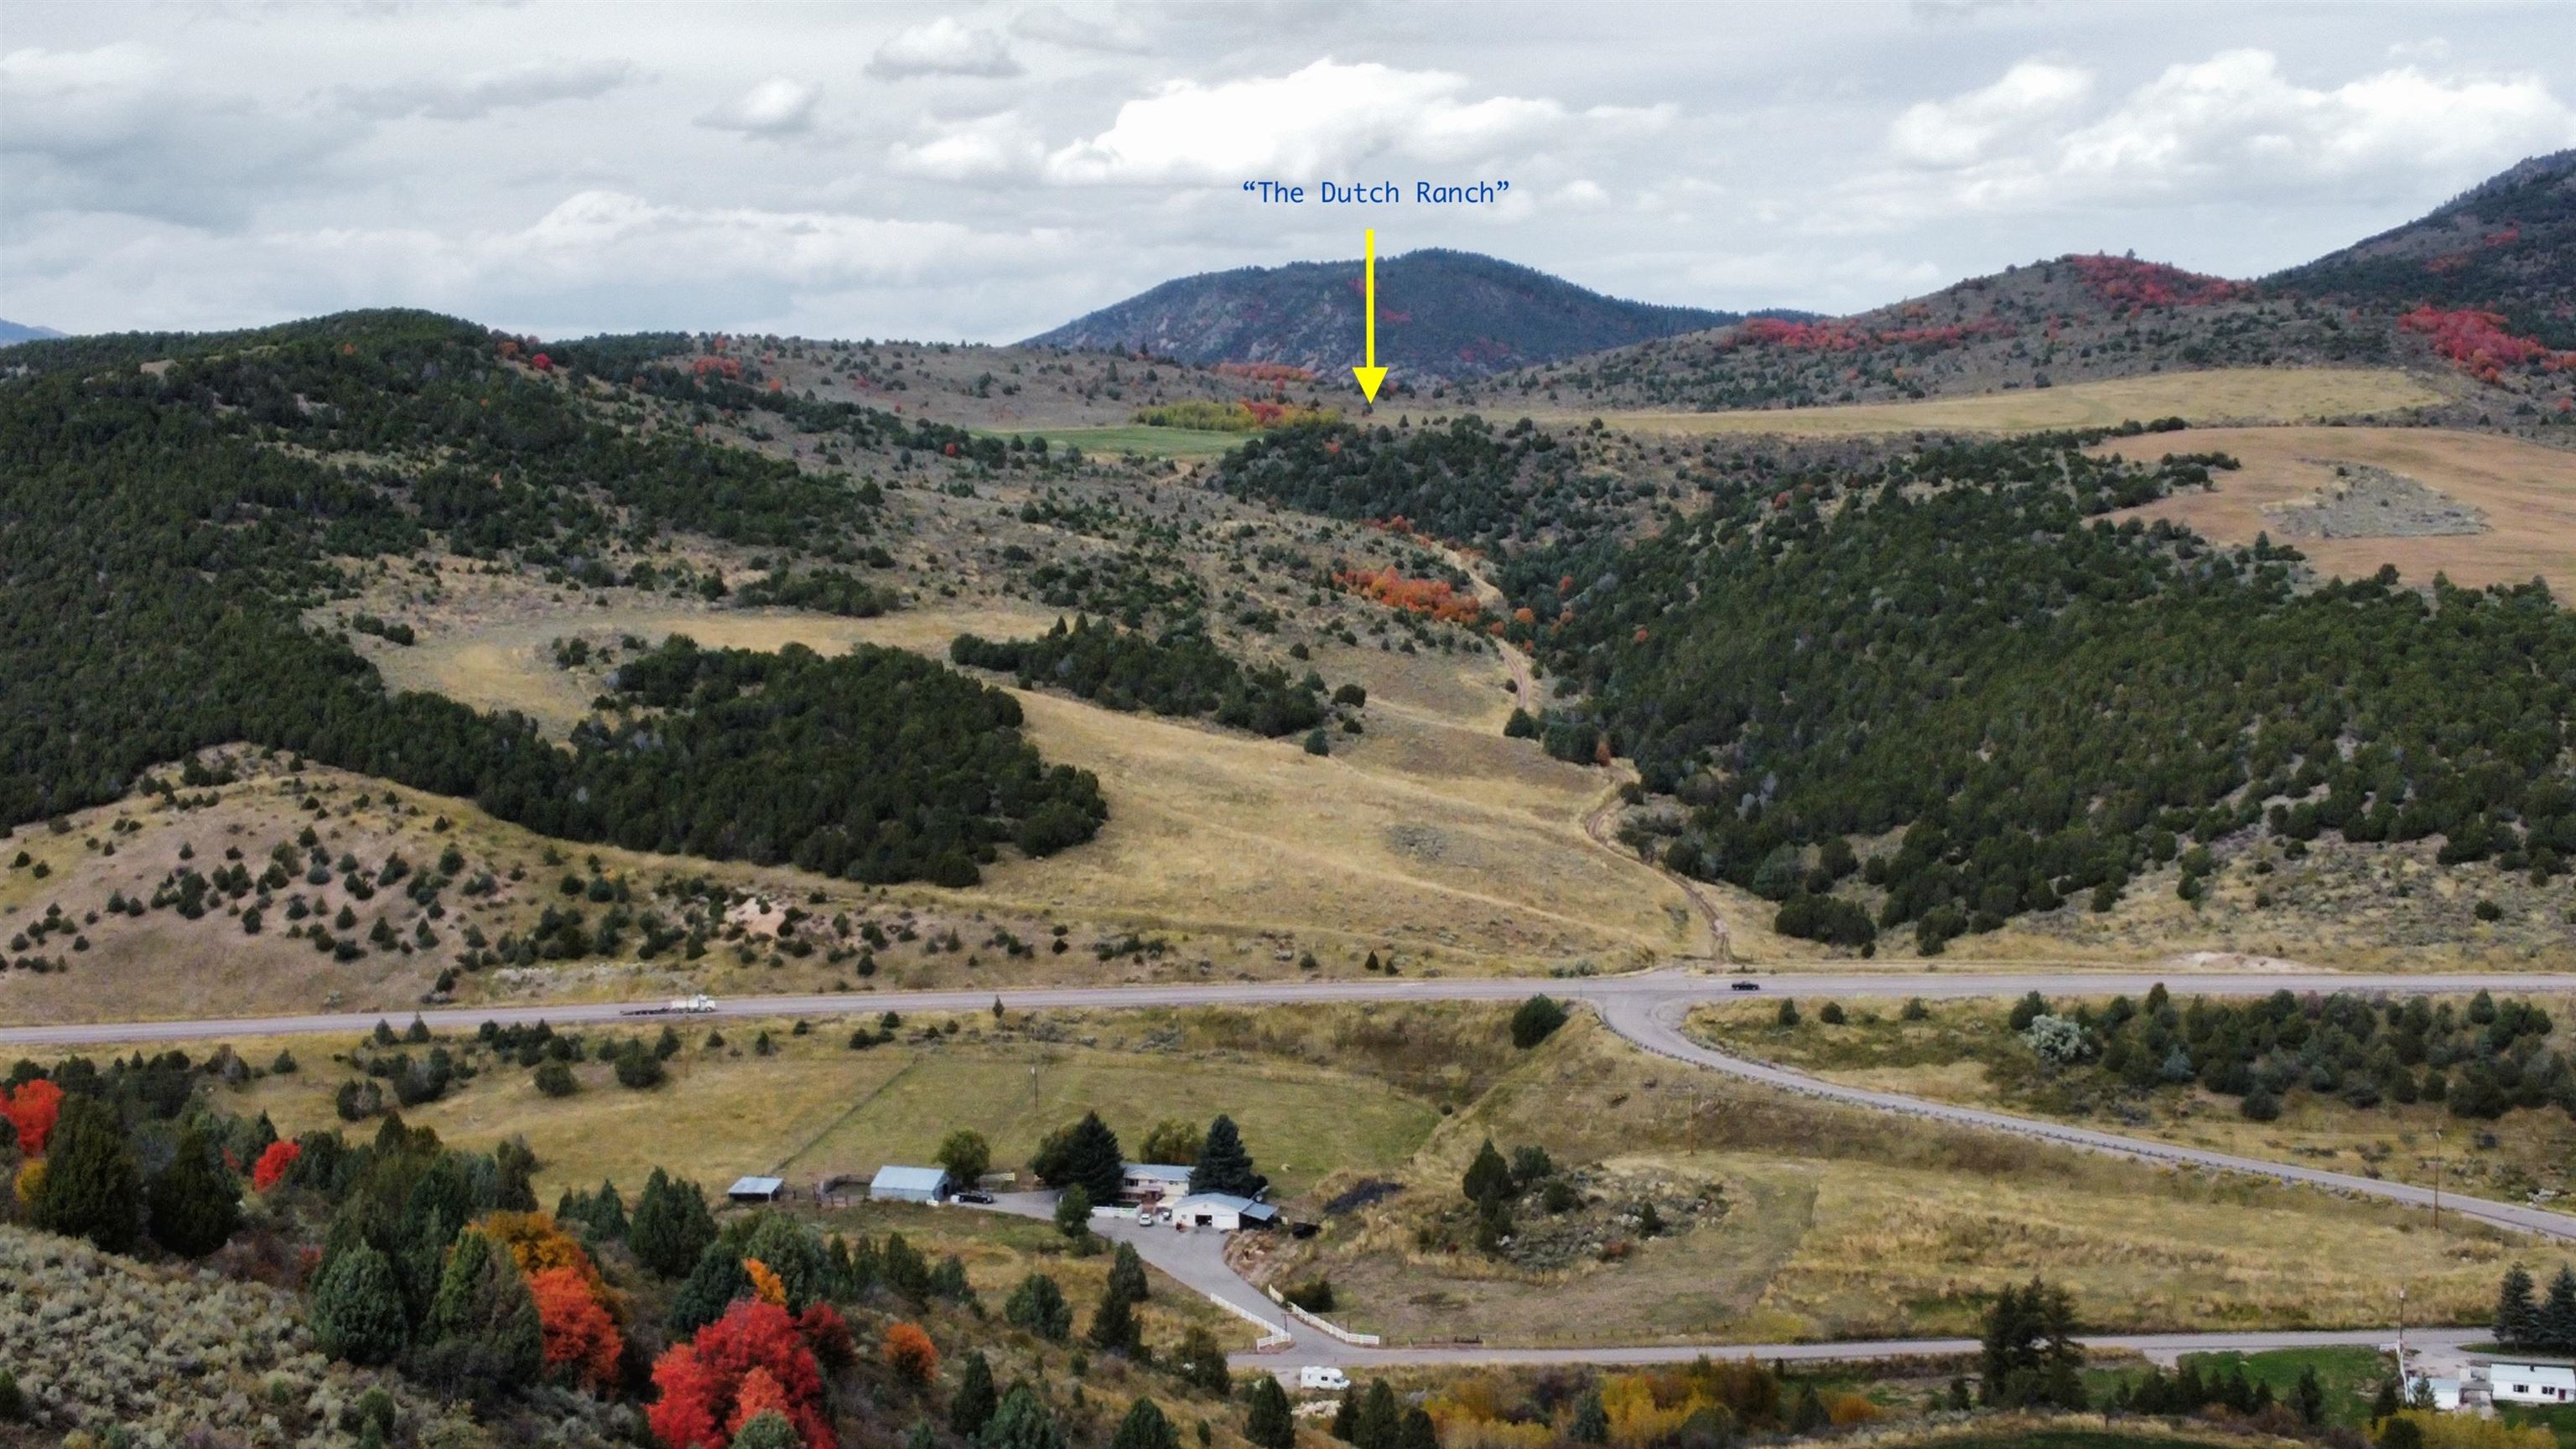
x,y
2237,394
1962,1052
2526,491
1844,1224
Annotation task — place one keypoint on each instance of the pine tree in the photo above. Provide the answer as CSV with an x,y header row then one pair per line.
x,y
1022,1421
1224,1165
196,1201
483,1330
1381,1420
1418,1431
1809,1415
1591,1421
1127,1275
1271,1424
671,1227
357,1310
711,1287
1145,1427
2517,1315
972,1407
1201,1363
768,1429
92,1186
1092,1159
2557,1319
2309,1397
1489,1177
605,1213
1038,1306
1114,1328
1346,1417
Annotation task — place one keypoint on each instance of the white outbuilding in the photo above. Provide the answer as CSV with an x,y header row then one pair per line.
x,y
2531,1381
1223,1212
908,1184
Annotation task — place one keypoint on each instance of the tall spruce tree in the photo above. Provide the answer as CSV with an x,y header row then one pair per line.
x,y
1224,1165
2557,1325
357,1309
93,1188
196,1201
483,1332
972,1406
1127,1275
709,1290
1092,1159
2517,1314
1271,1424
671,1226
1381,1418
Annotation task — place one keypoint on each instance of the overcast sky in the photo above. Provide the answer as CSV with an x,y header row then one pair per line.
x,y
985,172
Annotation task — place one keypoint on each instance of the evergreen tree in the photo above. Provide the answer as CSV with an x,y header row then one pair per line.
x,y
605,1214
1418,1431
1381,1419
1201,1363
482,1329
2517,1315
1271,1424
1021,1421
196,1201
1073,1212
2385,1404
1145,1427
1114,1328
1092,1159
768,1429
671,1227
92,1186
357,1308
2557,1321
972,1407
1591,1421
2308,1398
711,1287
1127,1275
1038,1306
1809,1414
1224,1165
1346,1417
1489,1177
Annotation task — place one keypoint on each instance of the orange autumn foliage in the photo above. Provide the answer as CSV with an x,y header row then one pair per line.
x,y
765,1283
537,1245
580,1338
760,1394
273,1165
702,1383
1434,597
910,1353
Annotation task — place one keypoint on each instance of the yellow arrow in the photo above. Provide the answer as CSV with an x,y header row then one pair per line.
x,y
1372,376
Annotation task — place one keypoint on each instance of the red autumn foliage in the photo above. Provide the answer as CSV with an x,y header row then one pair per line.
x,y
760,1395
778,384
1265,371
542,363
910,1353
950,450
1434,597
273,1165
703,1381
2127,284
828,1334
2476,343
580,1337
33,1108
721,366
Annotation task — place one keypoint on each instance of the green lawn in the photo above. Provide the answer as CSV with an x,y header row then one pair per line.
x,y
1184,443
2558,1421
2350,1375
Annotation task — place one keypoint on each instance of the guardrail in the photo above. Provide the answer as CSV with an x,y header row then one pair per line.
x,y
1355,1340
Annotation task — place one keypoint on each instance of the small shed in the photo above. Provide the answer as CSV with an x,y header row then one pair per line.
x,y
757,1189
1141,1183
2532,1381
908,1184
1223,1212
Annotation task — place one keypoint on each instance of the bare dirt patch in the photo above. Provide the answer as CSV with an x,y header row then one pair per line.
x,y
2525,495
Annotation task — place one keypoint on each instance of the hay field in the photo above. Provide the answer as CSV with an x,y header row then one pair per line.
x,y
1843,1224
1431,830
2528,493
2228,394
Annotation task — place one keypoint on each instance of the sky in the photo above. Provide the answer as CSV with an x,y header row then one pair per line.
x,y
985,172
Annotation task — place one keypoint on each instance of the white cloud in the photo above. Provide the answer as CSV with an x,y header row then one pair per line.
x,y
1957,131
479,94
2232,128
1322,119
989,146
775,107
620,235
945,46
1055,25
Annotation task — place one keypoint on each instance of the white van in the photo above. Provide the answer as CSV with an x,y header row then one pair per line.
x,y
1311,1377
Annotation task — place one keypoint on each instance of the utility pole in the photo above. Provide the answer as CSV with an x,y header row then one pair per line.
x,y
2437,1179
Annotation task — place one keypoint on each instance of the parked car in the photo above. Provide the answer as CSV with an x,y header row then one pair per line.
x,y
977,1196
1744,986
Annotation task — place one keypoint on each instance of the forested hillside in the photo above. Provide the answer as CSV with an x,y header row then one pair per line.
x,y
1441,315
169,505
1946,646
2506,246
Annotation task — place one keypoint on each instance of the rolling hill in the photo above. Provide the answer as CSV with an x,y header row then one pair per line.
x,y
16,332
1442,315
2506,245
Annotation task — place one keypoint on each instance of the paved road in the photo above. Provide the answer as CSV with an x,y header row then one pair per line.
x,y
1647,1008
